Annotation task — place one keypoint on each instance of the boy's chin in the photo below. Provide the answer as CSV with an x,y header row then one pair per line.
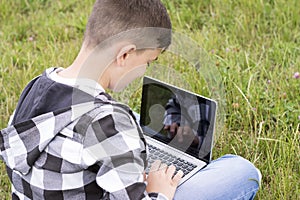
x,y
120,86
123,83
118,89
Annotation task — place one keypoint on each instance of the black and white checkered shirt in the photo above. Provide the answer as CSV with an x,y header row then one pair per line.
x,y
91,150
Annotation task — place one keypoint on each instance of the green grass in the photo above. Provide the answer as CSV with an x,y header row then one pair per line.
x,y
254,45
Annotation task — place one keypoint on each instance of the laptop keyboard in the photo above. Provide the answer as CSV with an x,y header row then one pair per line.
x,y
179,163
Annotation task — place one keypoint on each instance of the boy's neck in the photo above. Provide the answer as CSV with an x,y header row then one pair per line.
x,y
87,65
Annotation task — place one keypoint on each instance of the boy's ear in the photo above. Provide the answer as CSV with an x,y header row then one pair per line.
x,y
124,54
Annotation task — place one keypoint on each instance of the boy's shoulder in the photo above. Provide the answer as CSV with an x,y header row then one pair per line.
x,y
113,113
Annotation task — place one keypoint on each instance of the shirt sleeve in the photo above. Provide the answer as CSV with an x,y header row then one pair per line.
x,y
8,124
116,144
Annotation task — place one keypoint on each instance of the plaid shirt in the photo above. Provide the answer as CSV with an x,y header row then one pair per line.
x,y
91,150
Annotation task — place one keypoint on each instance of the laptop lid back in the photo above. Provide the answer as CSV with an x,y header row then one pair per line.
x,y
178,118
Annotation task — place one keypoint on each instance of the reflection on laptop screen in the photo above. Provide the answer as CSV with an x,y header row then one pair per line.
x,y
178,118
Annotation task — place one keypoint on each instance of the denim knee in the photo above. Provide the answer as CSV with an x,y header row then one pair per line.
x,y
229,177
247,170
244,165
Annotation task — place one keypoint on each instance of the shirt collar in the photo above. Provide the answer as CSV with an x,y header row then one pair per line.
x,y
86,85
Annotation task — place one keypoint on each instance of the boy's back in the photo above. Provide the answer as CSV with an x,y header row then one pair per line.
x,y
55,155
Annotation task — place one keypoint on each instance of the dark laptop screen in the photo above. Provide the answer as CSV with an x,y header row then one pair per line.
x,y
178,118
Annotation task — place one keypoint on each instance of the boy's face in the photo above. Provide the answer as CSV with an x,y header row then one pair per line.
x,y
134,66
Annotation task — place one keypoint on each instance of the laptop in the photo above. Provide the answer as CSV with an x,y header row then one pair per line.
x,y
178,126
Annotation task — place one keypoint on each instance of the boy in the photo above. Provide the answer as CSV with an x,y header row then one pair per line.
x,y
68,139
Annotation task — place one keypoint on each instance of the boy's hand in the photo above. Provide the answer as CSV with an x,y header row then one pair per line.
x,y
161,179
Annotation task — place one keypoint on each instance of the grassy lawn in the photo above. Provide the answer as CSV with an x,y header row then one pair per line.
x,y
254,45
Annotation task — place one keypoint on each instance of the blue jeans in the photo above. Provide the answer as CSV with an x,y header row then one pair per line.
x,y
227,178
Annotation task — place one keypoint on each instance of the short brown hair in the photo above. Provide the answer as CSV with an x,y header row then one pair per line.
x,y
112,17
